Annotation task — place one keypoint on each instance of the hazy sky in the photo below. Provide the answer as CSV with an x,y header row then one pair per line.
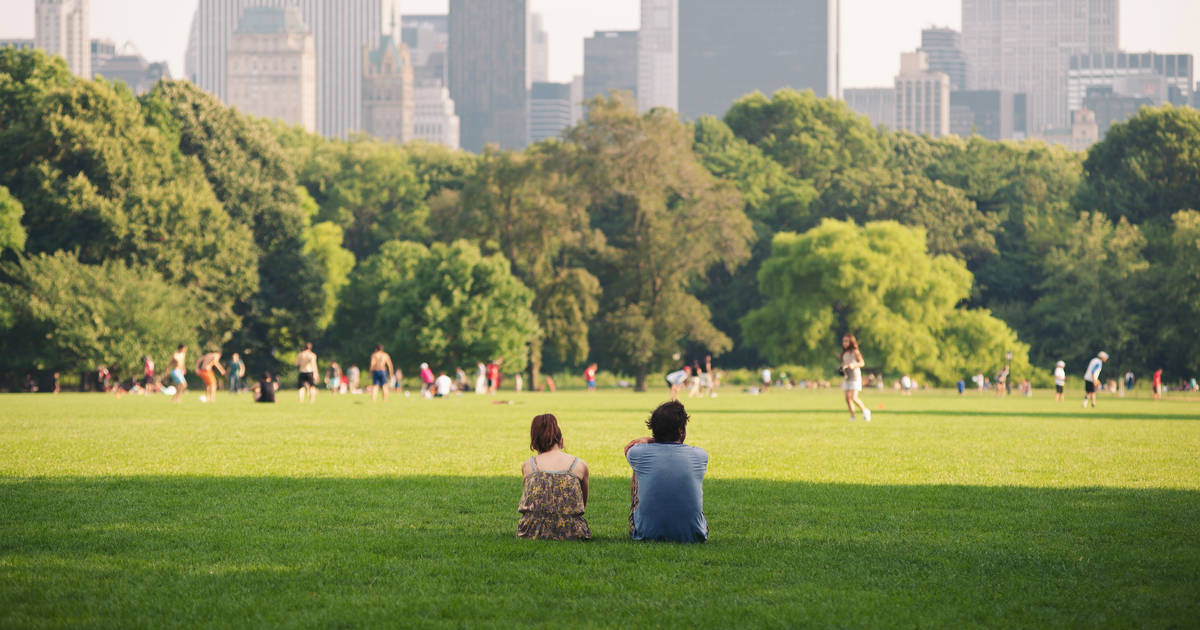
x,y
874,32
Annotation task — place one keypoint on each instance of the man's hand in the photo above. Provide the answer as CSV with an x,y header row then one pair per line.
x,y
641,440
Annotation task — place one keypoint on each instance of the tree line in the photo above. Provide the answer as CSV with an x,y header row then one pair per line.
x,y
129,225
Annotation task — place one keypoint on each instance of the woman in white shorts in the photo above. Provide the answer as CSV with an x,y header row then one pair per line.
x,y
852,364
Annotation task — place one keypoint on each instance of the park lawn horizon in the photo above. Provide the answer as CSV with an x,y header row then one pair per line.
x,y
945,510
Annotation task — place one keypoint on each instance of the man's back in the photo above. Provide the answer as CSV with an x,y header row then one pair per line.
x,y
306,361
670,492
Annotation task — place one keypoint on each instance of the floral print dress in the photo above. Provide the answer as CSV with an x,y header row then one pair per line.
x,y
552,505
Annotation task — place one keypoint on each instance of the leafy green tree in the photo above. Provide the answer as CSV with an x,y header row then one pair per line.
x,y
666,221
1089,300
251,175
447,305
12,233
530,208
72,315
880,283
1146,168
813,138
774,201
1175,300
94,178
323,242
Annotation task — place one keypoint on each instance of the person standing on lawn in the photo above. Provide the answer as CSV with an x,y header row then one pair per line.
x,y
1060,380
1091,378
237,372
306,363
667,486
381,369
852,365
175,370
554,487
204,368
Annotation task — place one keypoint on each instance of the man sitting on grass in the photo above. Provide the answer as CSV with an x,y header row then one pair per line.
x,y
667,491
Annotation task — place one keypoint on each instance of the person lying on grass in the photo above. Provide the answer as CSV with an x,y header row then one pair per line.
x,y
555,490
666,489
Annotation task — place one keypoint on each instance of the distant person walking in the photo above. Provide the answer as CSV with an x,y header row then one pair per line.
x,y
306,363
766,380
676,381
1156,384
426,380
554,491
381,368
1091,378
589,375
237,373
1129,380
204,369
1060,380
852,365
175,369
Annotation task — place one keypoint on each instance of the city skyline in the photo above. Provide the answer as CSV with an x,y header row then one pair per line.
x,y
874,32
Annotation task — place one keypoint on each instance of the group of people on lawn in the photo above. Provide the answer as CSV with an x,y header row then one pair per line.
x,y
667,497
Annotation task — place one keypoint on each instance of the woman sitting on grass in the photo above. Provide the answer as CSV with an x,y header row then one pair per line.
x,y
555,487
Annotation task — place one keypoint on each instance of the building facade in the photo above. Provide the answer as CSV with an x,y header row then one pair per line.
x,y
943,46
388,106
986,113
730,49
878,104
1112,107
549,110
487,69
610,61
427,38
340,30
539,51
102,50
1026,45
62,27
434,119
658,55
1083,132
1107,69
922,97
272,66
132,70
18,43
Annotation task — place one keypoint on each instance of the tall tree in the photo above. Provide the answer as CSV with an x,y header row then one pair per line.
x,y
531,208
447,305
666,221
250,174
1146,168
880,283
1175,300
94,178
12,233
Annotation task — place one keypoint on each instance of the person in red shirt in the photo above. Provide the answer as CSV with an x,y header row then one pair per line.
x,y
589,375
493,376
1157,384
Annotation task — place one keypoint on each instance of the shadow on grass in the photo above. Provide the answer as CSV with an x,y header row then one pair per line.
x,y
427,551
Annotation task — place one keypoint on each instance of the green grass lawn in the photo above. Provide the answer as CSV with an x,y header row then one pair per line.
x,y
943,511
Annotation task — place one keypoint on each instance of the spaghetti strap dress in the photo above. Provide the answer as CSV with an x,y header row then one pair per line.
x,y
552,505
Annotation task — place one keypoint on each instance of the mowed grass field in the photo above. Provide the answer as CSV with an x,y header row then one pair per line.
x,y
944,511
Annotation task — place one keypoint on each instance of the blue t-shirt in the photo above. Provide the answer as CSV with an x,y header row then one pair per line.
x,y
670,492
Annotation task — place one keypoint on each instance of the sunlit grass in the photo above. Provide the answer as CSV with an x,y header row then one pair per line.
x,y
943,511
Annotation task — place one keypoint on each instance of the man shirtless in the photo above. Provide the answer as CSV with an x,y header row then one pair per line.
x,y
204,368
381,368
306,362
175,372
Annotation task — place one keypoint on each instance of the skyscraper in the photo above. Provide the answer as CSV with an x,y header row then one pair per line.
x,y
133,70
427,38
1107,69
730,49
943,46
878,104
922,97
610,62
340,29
273,67
658,55
1026,45
549,110
433,115
388,91
62,27
539,50
487,69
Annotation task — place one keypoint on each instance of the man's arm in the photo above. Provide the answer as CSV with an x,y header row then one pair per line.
x,y
641,440
220,368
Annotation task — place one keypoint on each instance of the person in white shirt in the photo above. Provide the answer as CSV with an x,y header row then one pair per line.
x,y
766,379
1060,380
1091,378
442,385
